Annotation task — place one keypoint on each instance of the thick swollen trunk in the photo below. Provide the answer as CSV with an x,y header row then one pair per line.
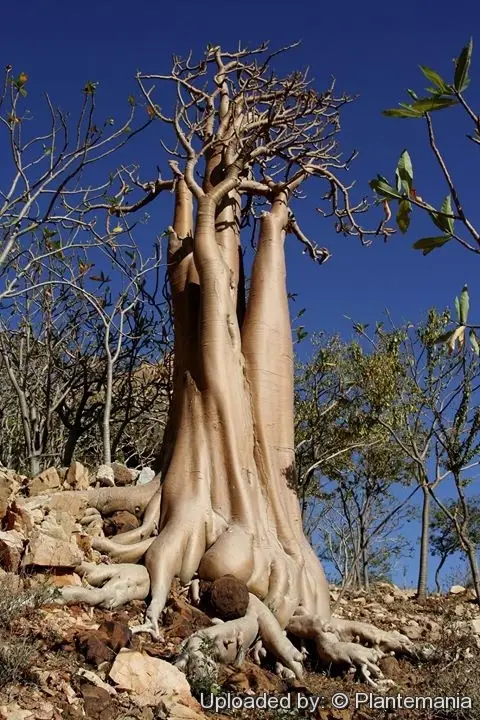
x,y
227,507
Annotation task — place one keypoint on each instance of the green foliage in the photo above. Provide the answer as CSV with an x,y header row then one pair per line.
x,y
441,95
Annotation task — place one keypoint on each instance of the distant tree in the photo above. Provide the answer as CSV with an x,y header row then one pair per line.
x,y
445,539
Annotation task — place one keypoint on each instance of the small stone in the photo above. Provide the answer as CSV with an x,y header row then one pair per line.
x,y
77,477
94,648
459,610
120,522
105,476
229,598
117,634
123,475
95,700
19,519
475,624
65,578
388,599
146,475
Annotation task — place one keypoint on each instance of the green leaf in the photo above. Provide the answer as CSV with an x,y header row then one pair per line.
x,y
425,105
403,215
439,217
436,79
404,112
405,169
474,343
383,188
431,243
462,65
412,94
457,308
464,305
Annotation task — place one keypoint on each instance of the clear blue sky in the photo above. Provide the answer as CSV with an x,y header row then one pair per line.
x,y
372,48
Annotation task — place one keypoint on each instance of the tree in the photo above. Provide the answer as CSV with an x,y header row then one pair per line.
x,y
243,141
347,464
449,217
445,540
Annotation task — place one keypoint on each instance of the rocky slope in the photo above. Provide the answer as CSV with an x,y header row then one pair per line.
x,y
78,662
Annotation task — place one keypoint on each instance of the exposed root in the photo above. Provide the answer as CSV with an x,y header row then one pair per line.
x,y
388,642
122,553
108,585
228,642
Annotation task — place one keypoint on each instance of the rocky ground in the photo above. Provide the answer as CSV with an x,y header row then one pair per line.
x,y
78,662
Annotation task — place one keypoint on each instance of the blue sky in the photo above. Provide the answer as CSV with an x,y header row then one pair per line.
x,y
372,48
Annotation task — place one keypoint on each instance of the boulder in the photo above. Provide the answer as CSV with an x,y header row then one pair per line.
x,y
46,551
77,477
229,597
48,480
149,679
457,590
9,484
96,701
105,476
11,549
59,524
123,475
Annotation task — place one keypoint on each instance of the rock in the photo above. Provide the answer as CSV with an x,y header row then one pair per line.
x,y
77,477
59,525
148,678
457,590
120,522
105,476
47,480
413,631
65,578
12,711
173,709
475,624
9,484
459,610
95,701
389,665
146,475
70,503
46,551
11,549
388,599
117,634
19,519
94,648
229,598
123,475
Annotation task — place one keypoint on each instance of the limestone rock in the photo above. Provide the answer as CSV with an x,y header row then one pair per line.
x,y
65,578
48,480
11,549
19,519
476,625
9,484
46,551
457,590
58,524
147,678
70,503
146,475
105,476
77,477
229,598
123,475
